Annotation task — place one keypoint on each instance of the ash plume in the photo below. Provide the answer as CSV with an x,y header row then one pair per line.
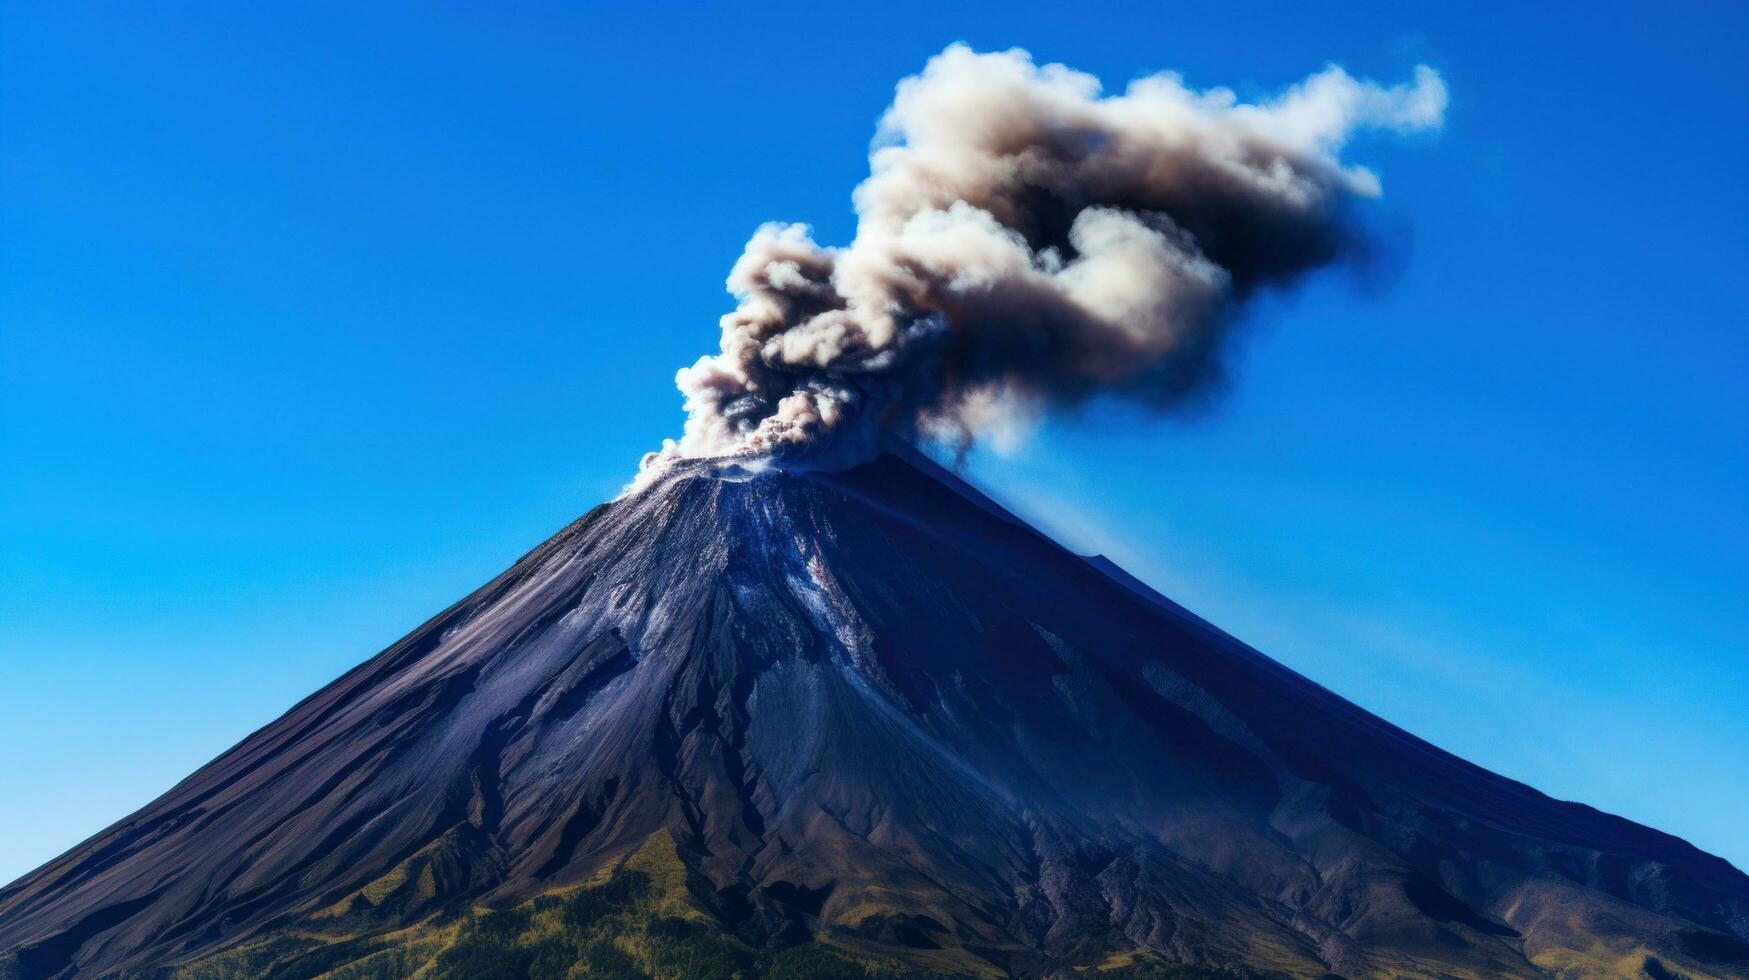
x,y
1025,242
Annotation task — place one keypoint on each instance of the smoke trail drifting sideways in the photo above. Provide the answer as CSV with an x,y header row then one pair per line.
x,y
1025,242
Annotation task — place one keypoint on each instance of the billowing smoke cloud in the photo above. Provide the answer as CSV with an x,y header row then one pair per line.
x,y
1025,242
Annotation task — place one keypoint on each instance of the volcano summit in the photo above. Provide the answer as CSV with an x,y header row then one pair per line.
x,y
855,723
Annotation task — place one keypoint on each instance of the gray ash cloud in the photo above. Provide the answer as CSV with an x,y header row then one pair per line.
x,y
1026,242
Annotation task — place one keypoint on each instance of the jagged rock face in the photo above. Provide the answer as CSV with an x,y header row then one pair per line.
x,y
873,708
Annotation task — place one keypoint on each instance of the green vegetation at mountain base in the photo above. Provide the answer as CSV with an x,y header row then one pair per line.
x,y
635,920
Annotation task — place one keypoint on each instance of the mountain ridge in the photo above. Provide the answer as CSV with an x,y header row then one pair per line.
x,y
875,710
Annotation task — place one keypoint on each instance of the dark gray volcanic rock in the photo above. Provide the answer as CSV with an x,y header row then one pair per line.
x,y
873,707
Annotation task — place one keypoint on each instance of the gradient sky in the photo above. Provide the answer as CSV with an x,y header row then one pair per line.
x,y
313,320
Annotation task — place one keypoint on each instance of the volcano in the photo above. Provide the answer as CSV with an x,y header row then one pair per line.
x,y
854,723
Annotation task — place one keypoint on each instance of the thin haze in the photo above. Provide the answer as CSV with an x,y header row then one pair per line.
x,y
1025,241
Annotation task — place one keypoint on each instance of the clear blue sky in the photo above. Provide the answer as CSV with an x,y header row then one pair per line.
x,y
311,321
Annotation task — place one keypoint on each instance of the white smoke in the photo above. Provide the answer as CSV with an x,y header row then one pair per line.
x,y
1025,242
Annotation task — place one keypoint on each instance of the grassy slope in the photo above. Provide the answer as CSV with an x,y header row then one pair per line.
x,y
634,920
637,919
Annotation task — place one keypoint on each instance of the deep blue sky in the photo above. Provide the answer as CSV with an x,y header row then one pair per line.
x,y
312,320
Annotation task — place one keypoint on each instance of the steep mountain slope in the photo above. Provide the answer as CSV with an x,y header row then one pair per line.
x,y
868,709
